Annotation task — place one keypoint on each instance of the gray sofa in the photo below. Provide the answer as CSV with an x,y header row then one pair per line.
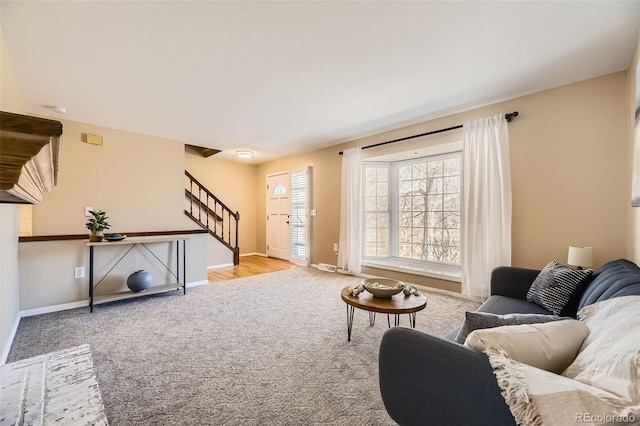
x,y
431,380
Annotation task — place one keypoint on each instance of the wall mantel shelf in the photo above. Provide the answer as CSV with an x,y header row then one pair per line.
x,y
69,237
137,240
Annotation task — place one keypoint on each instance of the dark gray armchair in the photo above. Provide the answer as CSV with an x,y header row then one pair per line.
x,y
457,382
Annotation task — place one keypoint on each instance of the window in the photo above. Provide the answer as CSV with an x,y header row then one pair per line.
x,y
412,211
279,189
300,202
376,208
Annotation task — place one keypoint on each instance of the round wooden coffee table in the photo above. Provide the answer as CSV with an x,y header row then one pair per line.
x,y
396,305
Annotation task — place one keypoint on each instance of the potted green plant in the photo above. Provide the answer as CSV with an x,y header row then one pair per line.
x,y
97,224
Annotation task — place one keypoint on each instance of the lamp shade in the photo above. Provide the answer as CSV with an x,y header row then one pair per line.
x,y
580,256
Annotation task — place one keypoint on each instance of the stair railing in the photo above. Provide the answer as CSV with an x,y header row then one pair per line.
x,y
212,214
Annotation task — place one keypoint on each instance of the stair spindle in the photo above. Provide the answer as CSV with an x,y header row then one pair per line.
x,y
191,197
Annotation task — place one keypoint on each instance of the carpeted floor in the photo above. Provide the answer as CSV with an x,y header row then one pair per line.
x,y
268,349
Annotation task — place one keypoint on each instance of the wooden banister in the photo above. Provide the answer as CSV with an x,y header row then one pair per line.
x,y
217,216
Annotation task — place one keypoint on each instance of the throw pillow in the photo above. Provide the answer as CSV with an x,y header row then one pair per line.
x,y
555,284
478,320
550,346
610,357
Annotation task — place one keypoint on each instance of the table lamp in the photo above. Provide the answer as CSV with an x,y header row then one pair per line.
x,y
580,256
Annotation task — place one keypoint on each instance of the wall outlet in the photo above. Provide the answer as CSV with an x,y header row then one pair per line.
x,y
87,210
79,272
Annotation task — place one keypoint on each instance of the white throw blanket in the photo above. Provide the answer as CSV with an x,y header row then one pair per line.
x,y
600,387
537,397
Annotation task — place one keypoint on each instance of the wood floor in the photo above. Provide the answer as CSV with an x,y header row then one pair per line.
x,y
249,265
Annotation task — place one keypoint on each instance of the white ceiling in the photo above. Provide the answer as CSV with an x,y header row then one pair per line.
x,y
282,78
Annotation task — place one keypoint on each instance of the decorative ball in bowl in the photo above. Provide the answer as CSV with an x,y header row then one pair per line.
x,y
383,288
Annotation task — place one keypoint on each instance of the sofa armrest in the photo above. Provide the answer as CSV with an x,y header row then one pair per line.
x,y
510,281
425,379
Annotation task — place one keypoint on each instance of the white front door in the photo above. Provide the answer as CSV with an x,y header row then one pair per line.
x,y
278,216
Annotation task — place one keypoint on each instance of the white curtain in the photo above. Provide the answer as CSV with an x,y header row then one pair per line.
x,y
351,211
486,231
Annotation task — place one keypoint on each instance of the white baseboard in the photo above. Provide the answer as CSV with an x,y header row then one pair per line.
x,y
227,265
197,283
255,253
222,265
79,304
9,342
53,308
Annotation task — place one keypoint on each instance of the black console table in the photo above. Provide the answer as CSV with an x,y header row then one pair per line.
x,y
142,241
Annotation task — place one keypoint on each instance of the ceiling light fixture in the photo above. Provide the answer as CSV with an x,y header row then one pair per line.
x,y
243,153
56,108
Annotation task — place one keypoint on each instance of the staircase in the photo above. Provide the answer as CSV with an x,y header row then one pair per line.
x,y
210,213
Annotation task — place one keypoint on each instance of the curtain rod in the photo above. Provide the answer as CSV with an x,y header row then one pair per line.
x,y
509,116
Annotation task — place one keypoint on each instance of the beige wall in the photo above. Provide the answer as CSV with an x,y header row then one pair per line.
x,y
568,162
633,216
568,156
325,198
235,185
47,269
10,101
9,288
138,180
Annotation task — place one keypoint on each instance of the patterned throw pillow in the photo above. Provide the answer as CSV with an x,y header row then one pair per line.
x,y
555,284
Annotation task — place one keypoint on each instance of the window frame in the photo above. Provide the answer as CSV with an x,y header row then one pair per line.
x,y
393,261
300,187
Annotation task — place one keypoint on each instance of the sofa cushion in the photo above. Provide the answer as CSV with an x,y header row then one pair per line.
x,y
480,320
613,279
550,346
555,284
502,305
609,358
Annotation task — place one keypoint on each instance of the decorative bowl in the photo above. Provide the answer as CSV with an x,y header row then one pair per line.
x,y
114,237
383,288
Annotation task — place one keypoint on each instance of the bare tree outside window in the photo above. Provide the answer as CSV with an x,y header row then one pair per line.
x,y
428,208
